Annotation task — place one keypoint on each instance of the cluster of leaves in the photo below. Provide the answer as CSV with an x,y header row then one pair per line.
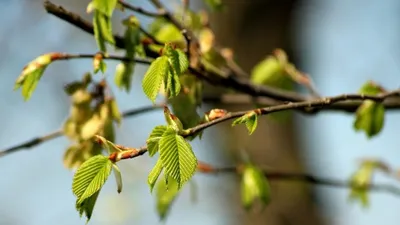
x,y
91,113
362,179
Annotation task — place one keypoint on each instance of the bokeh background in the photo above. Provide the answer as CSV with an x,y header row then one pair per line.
x,y
340,43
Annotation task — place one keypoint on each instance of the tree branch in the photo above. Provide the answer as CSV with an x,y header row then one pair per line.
x,y
312,104
66,56
140,10
230,81
307,178
58,133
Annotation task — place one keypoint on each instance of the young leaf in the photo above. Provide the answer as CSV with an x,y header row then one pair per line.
x,y
124,70
102,30
254,185
166,194
99,64
370,115
177,157
154,174
154,77
31,75
172,120
118,177
90,177
177,59
250,119
105,6
362,178
173,85
154,138
87,206
111,147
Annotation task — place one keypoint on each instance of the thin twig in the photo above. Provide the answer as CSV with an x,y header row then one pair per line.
x,y
66,56
140,10
231,82
55,134
316,103
307,178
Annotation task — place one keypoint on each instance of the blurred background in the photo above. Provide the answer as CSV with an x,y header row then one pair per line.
x,y
340,43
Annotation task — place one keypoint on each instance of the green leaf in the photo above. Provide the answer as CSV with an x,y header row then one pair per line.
x,y
371,88
173,85
90,177
215,5
111,147
362,178
165,195
254,186
105,6
31,75
118,177
370,117
177,156
125,70
154,77
250,119
87,206
154,174
99,64
102,30
177,59
154,138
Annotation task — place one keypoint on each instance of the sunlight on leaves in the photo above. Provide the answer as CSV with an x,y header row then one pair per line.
x,y
154,174
254,186
154,138
250,119
370,115
177,157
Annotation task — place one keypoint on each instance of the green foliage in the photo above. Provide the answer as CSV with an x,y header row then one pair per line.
x,y
250,119
99,64
102,30
166,193
89,116
172,120
215,5
118,177
154,174
361,180
89,179
154,138
87,206
124,70
177,157
370,115
154,77
254,186
166,70
106,7
31,75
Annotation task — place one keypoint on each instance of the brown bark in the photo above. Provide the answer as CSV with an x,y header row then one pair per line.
x,y
253,29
